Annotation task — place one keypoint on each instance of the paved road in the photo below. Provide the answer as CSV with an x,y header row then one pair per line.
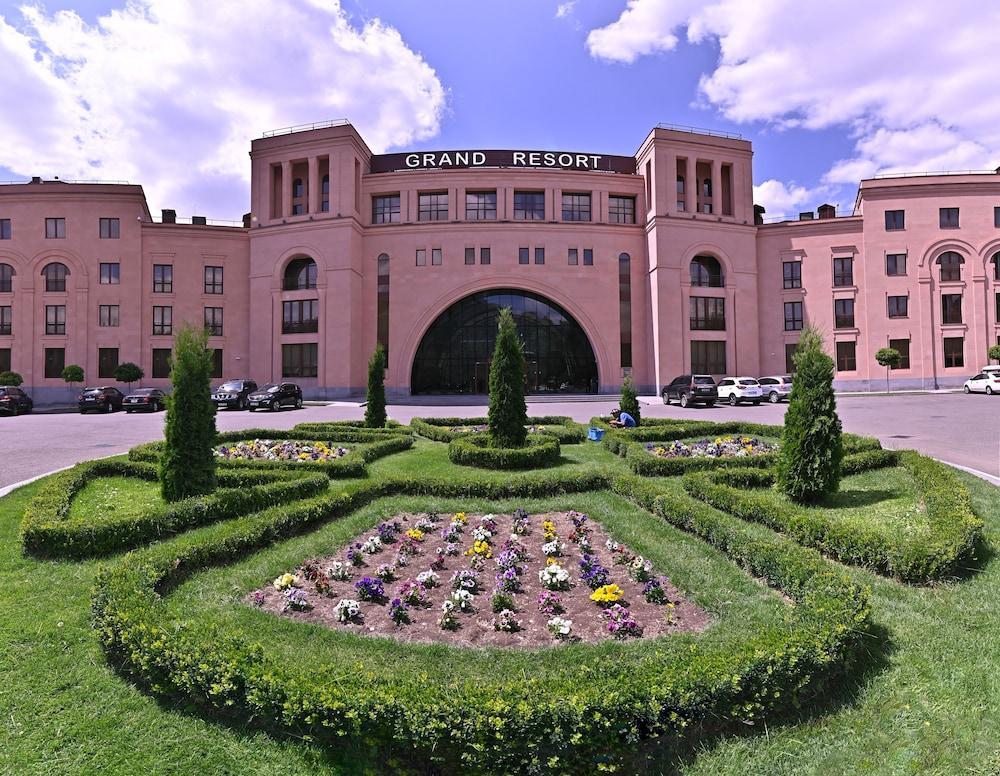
x,y
960,429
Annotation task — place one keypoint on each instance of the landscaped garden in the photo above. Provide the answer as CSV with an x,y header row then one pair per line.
x,y
420,605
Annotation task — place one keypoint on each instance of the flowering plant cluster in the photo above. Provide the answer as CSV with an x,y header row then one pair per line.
x,y
399,612
481,549
355,556
553,549
607,594
271,450
371,545
448,620
509,580
720,447
427,578
506,621
592,572
258,597
285,581
549,602
426,523
554,577
653,591
388,532
386,572
501,601
465,579
296,600
412,593
621,624
338,570
560,627
416,534
348,610
462,600
520,525
548,530
370,589
581,531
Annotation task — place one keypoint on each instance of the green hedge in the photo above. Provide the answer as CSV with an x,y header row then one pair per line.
x,y
562,720
954,528
475,450
562,427
350,431
47,529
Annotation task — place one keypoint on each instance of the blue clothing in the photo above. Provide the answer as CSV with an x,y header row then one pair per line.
x,y
627,420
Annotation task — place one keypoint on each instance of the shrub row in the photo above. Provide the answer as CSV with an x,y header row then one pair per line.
x,y
47,529
598,702
476,450
953,528
354,431
562,427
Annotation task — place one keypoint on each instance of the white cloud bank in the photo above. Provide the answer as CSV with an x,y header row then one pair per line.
x,y
914,82
169,93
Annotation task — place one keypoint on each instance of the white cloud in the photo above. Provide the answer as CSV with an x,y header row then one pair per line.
x,y
169,93
644,27
565,9
782,200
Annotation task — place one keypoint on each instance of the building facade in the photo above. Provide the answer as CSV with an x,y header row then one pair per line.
x,y
652,265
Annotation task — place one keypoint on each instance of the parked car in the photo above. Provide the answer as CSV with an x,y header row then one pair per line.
x,y
691,389
984,382
104,398
147,399
776,388
274,396
738,390
233,394
14,401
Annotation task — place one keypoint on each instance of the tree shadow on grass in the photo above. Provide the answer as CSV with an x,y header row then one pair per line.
x,y
847,499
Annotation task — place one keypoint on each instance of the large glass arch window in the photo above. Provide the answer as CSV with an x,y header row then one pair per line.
x,y
951,266
455,353
300,273
706,271
55,276
6,278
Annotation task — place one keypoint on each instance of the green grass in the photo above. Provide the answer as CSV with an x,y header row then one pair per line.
x,y
887,497
123,498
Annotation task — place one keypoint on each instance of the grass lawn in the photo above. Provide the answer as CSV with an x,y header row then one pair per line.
x,y
119,497
926,700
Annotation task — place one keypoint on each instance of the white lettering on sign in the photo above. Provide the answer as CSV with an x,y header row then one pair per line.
x,y
413,160
518,159
478,158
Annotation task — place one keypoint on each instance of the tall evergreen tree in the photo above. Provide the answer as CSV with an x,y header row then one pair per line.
x,y
508,413
187,465
375,408
811,444
630,398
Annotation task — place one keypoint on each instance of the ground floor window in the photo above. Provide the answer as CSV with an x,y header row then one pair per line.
x,y
847,356
903,347
161,362
6,319
954,351
4,359
107,362
217,362
790,349
55,362
708,357
300,360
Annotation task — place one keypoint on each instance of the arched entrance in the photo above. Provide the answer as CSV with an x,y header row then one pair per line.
x,y
455,352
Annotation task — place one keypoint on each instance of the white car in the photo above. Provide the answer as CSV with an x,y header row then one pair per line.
x,y
776,388
740,389
984,382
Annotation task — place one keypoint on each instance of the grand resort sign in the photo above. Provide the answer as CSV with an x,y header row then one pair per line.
x,y
454,160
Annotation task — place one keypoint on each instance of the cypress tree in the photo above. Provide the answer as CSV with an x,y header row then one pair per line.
x,y
187,465
375,408
630,399
811,444
508,413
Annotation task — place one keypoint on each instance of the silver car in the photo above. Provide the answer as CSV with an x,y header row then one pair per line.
x,y
776,387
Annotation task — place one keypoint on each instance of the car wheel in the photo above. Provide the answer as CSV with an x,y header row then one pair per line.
x,y
110,408
298,404
243,404
773,397
665,397
756,403
275,406
732,400
967,389
989,391
684,400
710,403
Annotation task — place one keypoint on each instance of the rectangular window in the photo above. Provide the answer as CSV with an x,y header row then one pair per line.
x,y
213,321
954,351
6,320
484,255
895,220
421,257
110,274
899,306
847,357
382,305
576,207
385,209
708,313
573,257
708,357
163,278
55,362
843,272
163,320
621,210
107,315
6,278
522,255
791,272
529,205
470,255
588,257
793,316
4,359
948,217
213,280
107,362
481,206
895,264
55,319
625,308
437,257
432,206
790,348
55,228
217,362
996,219
951,308
300,360
539,255
300,317
5,232
997,303
843,313
161,362
903,347
110,229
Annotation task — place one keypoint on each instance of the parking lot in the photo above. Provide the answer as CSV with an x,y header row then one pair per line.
x,y
959,429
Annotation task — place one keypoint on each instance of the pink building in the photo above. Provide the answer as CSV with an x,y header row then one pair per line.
x,y
654,264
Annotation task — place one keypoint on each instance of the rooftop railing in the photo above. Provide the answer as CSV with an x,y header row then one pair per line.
x,y
63,180
700,131
932,173
189,222
306,127
794,218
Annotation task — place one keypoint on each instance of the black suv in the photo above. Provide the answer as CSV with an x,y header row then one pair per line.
x,y
274,396
233,394
691,389
102,399
14,401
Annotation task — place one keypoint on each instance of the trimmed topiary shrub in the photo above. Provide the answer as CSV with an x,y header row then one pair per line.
x,y
562,427
993,353
811,445
889,358
187,464
630,398
478,450
129,373
375,408
11,378
508,414
72,374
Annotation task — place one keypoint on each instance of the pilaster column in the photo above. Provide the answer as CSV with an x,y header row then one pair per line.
x,y
286,189
669,185
716,188
690,185
314,195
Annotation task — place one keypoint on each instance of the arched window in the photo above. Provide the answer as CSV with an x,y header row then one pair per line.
x,y
55,276
951,266
382,322
300,273
706,271
996,266
6,278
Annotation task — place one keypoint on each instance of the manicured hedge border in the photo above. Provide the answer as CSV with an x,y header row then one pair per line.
x,y
497,723
562,427
349,431
47,530
954,527
474,450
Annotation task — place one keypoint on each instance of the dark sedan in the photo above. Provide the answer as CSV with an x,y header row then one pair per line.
x,y
690,390
101,399
233,394
14,401
145,400
274,396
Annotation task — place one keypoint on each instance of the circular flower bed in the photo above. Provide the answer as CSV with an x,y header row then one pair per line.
x,y
279,450
477,450
720,447
491,580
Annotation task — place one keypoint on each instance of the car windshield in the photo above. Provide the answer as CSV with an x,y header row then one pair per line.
x,y
748,382
231,387
704,381
92,391
143,391
270,388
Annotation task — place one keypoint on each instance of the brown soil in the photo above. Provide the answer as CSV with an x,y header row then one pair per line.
x,y
676,615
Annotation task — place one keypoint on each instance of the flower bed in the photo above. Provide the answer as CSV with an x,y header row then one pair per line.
x,y
512,580
279,450
720,447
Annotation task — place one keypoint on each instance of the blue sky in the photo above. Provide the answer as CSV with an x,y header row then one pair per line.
x,y
591,75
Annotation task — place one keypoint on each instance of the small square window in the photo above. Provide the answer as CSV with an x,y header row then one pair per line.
x,y
110,274
899,306
110,228
484,255
588,257
948,217
539,255
522,255
621,210
895,220
213,280
481,205
470,255
573,257
421,257
436,257
55,228
107,315
385,209
895,264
